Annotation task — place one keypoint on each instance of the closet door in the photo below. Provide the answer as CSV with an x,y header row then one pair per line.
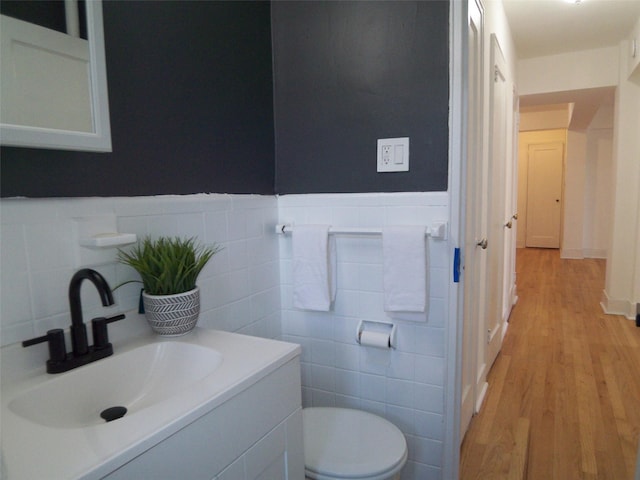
x,y
498,134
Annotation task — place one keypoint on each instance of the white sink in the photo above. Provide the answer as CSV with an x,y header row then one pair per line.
x,y
137,379
51,424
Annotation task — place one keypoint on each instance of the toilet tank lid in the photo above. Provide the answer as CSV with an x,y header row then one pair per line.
x,y
348,443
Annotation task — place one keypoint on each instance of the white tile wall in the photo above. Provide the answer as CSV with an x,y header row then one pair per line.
x,y
247,288
39,252
405,385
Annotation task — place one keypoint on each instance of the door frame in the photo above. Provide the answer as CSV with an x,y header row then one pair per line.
x,y
457,164
474,258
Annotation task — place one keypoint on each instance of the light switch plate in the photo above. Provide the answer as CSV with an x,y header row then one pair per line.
x,y
393,154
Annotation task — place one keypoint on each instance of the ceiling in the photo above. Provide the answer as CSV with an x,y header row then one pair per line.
x,y
549,27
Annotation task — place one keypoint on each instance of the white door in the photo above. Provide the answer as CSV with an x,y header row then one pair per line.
x,y
544,195
509,295
498,135
475,223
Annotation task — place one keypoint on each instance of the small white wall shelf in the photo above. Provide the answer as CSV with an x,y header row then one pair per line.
x,y
108,240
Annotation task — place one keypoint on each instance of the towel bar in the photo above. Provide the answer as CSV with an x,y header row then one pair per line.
x,y
437,230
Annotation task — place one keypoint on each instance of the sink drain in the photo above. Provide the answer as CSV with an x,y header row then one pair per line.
x,y
113,413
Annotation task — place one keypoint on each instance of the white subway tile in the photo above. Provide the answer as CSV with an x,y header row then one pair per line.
x,y
323,398
429,370
15,298
323,352
402,365
429,425
372,387
347,356
323,377
215,227
430,340
400,392
347,382
50,292
401,417
49,245
191,225
427,451
429,398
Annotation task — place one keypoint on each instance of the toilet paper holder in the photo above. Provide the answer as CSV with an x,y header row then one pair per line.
x,y
389,329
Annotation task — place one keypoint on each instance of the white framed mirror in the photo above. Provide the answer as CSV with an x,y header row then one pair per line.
x,y
54,86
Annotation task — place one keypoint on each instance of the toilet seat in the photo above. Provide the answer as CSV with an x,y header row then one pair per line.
x,y
351,444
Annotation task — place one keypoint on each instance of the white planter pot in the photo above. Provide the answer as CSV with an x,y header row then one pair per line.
x,y
172,315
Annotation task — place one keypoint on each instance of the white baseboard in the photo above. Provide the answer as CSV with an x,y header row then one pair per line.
x,y
481,395
595,253
613,306
579,253
572,253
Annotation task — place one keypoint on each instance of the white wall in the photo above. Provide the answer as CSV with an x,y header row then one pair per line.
x,y
568,71
597,192
545,117
575,210
406,385
620,287
240,285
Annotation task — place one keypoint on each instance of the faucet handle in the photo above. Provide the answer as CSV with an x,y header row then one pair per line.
x,y
100,333
57,347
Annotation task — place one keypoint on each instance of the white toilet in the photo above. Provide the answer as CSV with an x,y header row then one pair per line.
x,y
342,443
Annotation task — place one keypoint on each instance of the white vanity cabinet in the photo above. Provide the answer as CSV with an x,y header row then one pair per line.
x,y
256,434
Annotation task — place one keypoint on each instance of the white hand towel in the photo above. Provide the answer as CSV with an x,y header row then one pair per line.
x,y
404,250
314,267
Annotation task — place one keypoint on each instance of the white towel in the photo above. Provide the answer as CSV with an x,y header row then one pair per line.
x,y
314,267
404,250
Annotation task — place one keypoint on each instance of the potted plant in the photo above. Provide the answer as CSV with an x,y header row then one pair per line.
x,y
169,268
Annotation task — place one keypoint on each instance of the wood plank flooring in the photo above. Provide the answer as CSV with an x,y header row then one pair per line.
x,y
564,393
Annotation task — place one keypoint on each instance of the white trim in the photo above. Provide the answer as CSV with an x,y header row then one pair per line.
x,y
616,306
572,253
580,253
595,253
100,139
481,395
457,150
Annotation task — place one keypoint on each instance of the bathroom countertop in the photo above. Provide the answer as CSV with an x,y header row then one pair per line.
x,y
34,451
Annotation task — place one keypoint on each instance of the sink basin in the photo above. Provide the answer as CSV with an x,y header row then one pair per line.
x,y
136,379
52,425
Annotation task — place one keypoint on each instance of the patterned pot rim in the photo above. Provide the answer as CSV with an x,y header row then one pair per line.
x,y
176,295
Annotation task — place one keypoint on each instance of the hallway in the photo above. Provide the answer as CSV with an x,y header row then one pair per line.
x,y
564,393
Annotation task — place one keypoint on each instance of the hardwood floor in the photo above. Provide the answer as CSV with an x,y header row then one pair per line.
x,y
564,393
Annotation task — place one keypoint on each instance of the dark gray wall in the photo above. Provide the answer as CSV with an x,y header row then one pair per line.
x,y
348,73
191,103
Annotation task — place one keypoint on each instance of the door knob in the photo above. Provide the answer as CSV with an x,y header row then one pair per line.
x,y
509,224
483,244
515,216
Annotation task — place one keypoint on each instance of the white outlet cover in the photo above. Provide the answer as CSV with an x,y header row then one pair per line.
x,y
393,154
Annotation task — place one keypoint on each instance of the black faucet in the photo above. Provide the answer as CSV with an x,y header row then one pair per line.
x,y
81,353
78,329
